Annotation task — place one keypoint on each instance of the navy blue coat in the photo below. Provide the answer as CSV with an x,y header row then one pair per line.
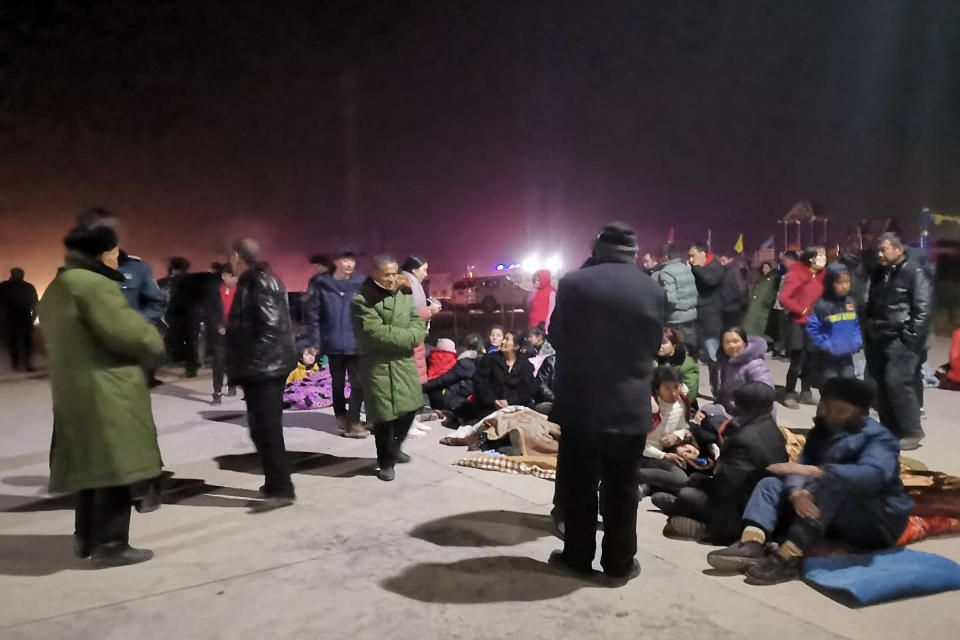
x,y
142,292
834,326
327,314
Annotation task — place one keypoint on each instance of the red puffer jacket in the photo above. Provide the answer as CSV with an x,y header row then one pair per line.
x,y
439,363
802,288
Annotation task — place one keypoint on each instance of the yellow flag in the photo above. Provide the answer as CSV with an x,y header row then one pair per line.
x,y
739,246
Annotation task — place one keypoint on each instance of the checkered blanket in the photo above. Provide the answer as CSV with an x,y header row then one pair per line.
x,y
540,466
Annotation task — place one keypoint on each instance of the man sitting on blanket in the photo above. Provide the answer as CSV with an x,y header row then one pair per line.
x,y
846,486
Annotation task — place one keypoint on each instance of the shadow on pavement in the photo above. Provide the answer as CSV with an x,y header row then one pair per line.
x,y
170,389
291,419
229,416
485,529
26,481
304,462
484,580
37,555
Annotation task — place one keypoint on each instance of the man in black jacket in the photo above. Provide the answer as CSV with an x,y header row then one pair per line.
x,y
601,399
260,355
731,292
713,506
897,322
18,304
708,275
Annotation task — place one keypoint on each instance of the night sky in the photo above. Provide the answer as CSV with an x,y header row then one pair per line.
x,y
467,132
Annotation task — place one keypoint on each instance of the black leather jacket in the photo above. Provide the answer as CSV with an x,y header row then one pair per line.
x,y
899,304
259,333
545,378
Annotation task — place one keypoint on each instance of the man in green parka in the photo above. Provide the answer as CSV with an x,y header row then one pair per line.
x,y
388,328
104,437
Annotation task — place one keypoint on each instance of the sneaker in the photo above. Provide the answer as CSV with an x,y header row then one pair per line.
x,y
910,444
619,581
387,475
355,431
271,503
415,432
118,554
423,426
790,401
557,561
738,557
403,458
217,399
774,569
685,528
807,398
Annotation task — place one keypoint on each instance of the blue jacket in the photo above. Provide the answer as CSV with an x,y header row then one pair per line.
x,y
327,314
141,290
869,460
834,326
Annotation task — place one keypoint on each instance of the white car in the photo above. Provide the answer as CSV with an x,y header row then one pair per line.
x,y
489,293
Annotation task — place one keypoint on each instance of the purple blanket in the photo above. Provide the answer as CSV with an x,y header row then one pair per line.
x,y
313,392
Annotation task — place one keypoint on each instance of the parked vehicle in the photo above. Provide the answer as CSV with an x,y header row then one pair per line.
x,y
489,293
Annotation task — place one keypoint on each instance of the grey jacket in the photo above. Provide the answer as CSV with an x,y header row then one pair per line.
x,y
677,281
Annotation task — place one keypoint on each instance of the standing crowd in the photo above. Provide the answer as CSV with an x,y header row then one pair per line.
x,y
611,355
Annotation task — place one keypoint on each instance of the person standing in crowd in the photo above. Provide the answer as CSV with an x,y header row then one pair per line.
x,y
18,303
731,292
802,289
322,265
388,329
649,262
260,354
542,301
599,408
897,323
330,331
762,296
104,438
187,297
782,316
708,275
860,265
415,272
144,295
676,278
218,316
834,329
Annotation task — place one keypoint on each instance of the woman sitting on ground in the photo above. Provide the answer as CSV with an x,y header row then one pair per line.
x,y
674,353
741,360
662,470
504,378
451,390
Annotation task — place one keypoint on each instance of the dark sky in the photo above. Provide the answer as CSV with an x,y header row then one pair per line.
x,y
468,132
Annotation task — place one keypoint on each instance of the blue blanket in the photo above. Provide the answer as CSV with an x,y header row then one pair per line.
x,y
865,579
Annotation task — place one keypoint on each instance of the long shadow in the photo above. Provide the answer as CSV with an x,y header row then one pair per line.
x,y
37,555
291,419
485,529
484,580
228,416
172,390
304,462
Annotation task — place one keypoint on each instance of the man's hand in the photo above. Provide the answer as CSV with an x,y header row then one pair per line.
x,y
794,469
669,441
676,459
501,404
804,505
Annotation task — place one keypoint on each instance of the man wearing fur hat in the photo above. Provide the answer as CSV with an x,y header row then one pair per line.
x,y
847,483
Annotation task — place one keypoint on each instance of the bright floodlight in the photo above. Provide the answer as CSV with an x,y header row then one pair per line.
x,y
531,263
553,263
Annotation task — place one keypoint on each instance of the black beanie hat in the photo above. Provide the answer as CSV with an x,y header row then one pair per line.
x,y
616,242
754,397
91,241
849,390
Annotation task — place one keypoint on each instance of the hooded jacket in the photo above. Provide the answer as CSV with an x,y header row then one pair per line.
x,y
676,278
801,289
439,363
833,326
747,366
542,301
327,314
457,383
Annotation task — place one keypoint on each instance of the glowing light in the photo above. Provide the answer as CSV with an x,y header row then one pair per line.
x,y
501,267
553,263
531,263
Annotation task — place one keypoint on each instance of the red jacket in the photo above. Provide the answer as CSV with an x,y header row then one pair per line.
x,y
542,301
439,363
954,372
226,298
801,290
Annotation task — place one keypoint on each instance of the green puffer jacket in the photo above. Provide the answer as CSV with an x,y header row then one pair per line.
x,y
762,296
677,281
103,430
387,327
688,367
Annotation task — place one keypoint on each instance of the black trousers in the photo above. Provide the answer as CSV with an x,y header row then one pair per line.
x,y
586,460
893,367
265,418
217,350
662,475
102,517
20,341
184,340
389,437
341,366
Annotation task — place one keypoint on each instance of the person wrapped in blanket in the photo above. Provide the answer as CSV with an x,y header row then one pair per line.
x,y
309,385
845,486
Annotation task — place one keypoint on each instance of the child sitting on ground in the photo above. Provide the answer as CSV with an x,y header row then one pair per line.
x,y
442,358
664,469
309,386
306,365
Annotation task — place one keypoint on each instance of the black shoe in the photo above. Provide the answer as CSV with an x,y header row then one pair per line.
x,y
738,557
619,581
271,503
118,554
774,570
807,398
557,561
559,528
80,548
190,373
387,475
231,392
403,458
153,383
217,399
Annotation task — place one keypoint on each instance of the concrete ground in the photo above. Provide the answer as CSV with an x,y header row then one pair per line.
x,y
443,552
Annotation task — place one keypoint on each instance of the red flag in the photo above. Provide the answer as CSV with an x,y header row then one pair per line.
x,y
670,238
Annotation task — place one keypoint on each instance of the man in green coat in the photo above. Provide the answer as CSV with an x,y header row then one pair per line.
x,y
104,437
388,328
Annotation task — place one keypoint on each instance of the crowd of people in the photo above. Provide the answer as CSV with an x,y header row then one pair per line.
x,y
611,355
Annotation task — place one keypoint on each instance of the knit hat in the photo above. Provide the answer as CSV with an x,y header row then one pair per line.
x,y
446,344
91,241
617,242
753,398
849,390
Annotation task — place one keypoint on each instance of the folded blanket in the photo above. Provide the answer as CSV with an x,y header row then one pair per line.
x,y
540,466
